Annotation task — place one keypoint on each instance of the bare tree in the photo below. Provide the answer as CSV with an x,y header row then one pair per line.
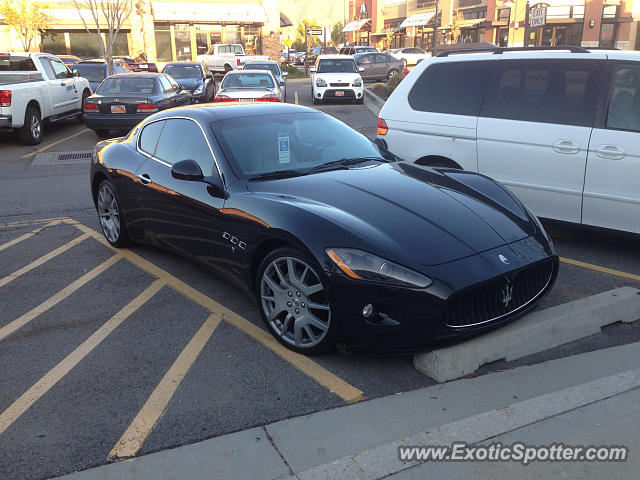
x,y
108,15
27,18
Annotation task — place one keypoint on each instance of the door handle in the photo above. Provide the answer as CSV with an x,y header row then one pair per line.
x,y
612,152
566,146
144,178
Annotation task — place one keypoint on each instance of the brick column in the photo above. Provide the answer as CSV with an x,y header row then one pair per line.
x,y
142,31
592,11
271,45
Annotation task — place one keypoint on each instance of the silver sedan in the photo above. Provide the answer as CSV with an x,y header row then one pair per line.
x,y
249,86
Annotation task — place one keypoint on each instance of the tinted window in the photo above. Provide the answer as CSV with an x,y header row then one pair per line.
x,y
183,140
10,63
126,84
380,58
624,103
337,66
272,67
149,137
94,72
247,80
59,69
561,92
165,84
183,71
451,87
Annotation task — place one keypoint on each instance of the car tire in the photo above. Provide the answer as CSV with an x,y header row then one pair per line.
x,y
391,73
31,132
102,133
290,294
86,94
227,68
359,101
110,215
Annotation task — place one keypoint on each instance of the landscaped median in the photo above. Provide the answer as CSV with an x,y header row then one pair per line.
x,y
378,93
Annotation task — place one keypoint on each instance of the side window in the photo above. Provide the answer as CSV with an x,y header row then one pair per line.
x,y
183,140
558,92
451,87
381,58
48,69
223,49
59,69
624,102
149,137
165,84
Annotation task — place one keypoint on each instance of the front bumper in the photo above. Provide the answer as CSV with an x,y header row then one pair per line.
x,y
117,121
407,320
331,92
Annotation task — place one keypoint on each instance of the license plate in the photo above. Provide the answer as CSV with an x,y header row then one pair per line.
x,y
143,66
118,109
339,93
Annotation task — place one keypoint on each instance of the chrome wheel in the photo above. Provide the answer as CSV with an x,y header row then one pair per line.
x,y
36,127
294,302
109,213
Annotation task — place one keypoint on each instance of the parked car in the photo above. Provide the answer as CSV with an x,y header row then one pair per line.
x,y
334,238
123,100
224,57
194,77
276,71
249,86
336,77
411,55
315,52
292,54
377,66
353,49
69,60
139,63
559,126
35,87
300,58
96,70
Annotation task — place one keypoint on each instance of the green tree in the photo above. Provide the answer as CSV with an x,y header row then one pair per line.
x,y
337,35
456,25
26,18
302,27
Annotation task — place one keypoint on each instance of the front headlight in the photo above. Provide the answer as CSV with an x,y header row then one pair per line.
x,y
357,83
320,83
198,90
365,266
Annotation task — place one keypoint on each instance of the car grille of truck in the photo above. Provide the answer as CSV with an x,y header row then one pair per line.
x,y
339,84
500,297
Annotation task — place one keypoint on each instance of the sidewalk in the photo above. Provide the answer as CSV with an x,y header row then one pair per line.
x,y
587,399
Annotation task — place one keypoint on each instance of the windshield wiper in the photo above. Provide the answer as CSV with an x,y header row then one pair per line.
x,y
279,174
345,162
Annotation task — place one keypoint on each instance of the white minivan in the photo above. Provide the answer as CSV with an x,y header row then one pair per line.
x,y
559,127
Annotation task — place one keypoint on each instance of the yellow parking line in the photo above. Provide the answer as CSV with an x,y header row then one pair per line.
x,y
26,223
57,298
28,235
42,386
133,438
333,383
47,147
43,259
598,268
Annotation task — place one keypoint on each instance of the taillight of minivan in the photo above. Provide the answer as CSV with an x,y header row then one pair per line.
x,y
382,127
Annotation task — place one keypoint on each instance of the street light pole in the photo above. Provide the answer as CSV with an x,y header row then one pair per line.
x,y
435,28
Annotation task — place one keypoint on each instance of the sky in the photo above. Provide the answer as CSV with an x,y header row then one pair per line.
x,y
326,12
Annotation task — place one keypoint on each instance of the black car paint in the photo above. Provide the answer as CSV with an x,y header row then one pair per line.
x,y
206,81
447,224
105,120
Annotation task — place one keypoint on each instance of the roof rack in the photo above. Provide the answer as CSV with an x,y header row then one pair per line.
x,y
500,50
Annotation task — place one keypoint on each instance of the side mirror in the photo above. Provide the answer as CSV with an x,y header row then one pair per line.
x,y
312,69
187,170
361,69
284,74
75,72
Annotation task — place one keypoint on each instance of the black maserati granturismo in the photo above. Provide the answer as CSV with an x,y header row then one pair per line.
x,y
336,238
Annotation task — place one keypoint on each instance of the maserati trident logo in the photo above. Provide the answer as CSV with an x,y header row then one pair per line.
x,y
507,292
504,259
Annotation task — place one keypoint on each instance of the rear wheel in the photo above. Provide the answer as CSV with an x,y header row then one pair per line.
x,y
111,221
227,68
293,302
31,132
102,133
392,72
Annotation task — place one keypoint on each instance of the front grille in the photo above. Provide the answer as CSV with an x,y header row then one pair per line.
x,y
346,93
339,84
499,297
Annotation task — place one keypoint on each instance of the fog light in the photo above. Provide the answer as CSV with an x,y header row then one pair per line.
x,y
367,311
318,95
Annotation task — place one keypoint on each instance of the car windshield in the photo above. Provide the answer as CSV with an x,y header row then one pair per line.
x,y
337,66
94,72
183,71
132,85
247,80
266,144
272,67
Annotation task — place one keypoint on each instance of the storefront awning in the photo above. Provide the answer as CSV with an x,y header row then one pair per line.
x,y
465,24
355,25
209,12
418,19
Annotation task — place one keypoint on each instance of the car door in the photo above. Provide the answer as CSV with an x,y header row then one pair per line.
x,y
367,63
612,180
183,215
381,65
534,128
61,86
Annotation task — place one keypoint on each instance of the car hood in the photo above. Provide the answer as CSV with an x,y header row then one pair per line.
x,y
189,83
407,213
338,77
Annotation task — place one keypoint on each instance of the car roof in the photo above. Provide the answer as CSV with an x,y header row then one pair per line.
x,y
183,63
244,72
262,62
332,57
96,61
138,75
223,111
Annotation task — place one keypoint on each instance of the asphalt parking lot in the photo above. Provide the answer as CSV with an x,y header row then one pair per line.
x,y
109,354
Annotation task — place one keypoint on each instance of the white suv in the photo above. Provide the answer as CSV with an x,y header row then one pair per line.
x,y
559,127
336,77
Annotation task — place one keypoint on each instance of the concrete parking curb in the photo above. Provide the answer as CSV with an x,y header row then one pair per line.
x,y
536,332
373,102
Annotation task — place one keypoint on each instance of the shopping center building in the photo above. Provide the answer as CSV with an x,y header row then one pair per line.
x,y
413,23
165,30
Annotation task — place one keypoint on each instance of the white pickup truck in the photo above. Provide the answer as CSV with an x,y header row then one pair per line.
x,y
224,57
35,87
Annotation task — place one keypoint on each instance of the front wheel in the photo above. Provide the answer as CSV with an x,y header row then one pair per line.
x,y
360,101
293,302
391,73
110,215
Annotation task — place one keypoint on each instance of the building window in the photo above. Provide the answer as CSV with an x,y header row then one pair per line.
x,y
504,14
53,42
163,43
610,11
251,35
475,13
182,36
85,45
608,35
426,3
466,3
121,45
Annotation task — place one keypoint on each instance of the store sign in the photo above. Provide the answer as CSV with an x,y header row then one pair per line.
x,y
538,17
